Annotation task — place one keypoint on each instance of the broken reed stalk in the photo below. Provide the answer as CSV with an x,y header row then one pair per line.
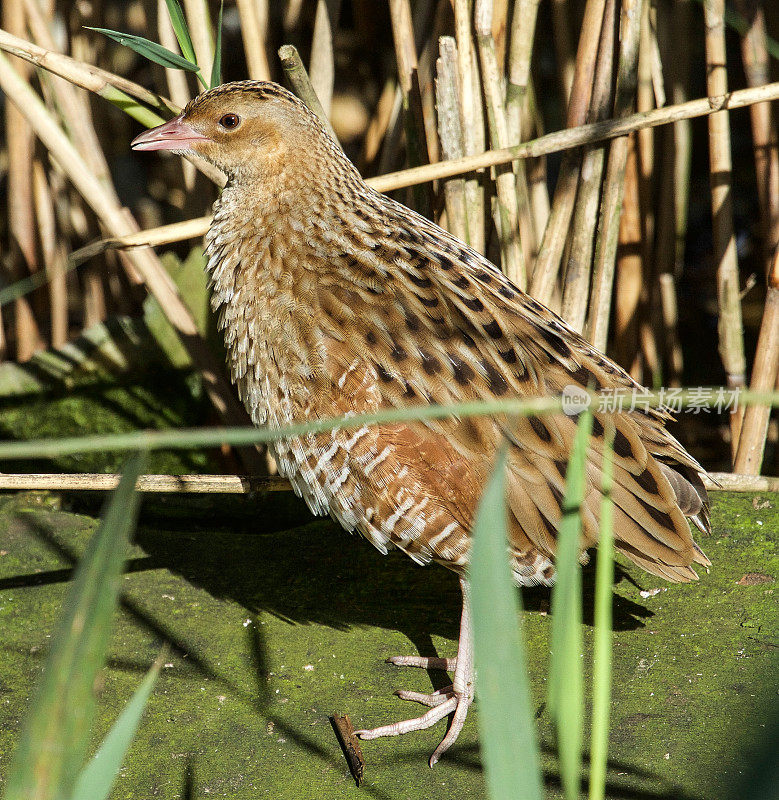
x,y
614,184
247,484
731,327
296,74
322,65
765,139
507,207
556,233
117,221
450,134
616,129
472,121
576,283
254,30
765,373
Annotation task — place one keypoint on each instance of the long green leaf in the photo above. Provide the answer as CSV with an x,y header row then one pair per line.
x,y
566,682
216,67
180,28
506,722
97,777
55,734
148,49
601,661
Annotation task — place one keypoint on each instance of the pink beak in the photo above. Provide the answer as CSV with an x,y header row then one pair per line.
x,y
173,135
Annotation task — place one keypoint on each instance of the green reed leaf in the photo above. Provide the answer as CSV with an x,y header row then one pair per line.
x,y
566,682
181,29
55,735
148,49
506,722
98,776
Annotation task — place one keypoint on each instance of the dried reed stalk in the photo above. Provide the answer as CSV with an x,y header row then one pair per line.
x,y
421,138
519,115
254,31
629,270
322,66
566,63
765,373
451,134
201,33
731,327
507,207
23,258
556,233
673,28
576,286
116,221
472,121
247,484
380,123
54,256
614,184
765,140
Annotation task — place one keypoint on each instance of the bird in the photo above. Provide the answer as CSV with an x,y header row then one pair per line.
x,y
336,300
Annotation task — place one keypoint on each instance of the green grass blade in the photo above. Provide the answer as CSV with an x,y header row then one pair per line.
x,y
95,780
601,666
566,682
55,734
216,68
180,28
506,721
148,49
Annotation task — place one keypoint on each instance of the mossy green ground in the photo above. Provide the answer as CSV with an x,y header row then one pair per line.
x,y
274,620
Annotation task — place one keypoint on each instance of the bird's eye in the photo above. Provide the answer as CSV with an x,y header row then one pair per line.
x,y
230,121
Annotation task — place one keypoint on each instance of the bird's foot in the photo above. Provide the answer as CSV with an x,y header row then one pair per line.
x,y
442,702
455,699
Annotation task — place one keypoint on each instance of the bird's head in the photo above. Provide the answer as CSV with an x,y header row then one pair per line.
x,y
244,128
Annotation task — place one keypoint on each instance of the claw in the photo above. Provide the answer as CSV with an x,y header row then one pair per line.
x,y
432,699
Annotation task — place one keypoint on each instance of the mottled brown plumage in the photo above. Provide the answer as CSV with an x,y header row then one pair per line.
x,y
335,299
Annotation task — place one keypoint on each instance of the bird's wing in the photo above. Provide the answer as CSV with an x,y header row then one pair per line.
x,y
449,327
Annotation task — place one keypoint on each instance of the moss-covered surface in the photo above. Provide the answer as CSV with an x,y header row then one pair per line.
x,y
157,397
275,620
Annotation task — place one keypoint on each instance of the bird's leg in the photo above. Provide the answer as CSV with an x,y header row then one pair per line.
x,y
455,699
